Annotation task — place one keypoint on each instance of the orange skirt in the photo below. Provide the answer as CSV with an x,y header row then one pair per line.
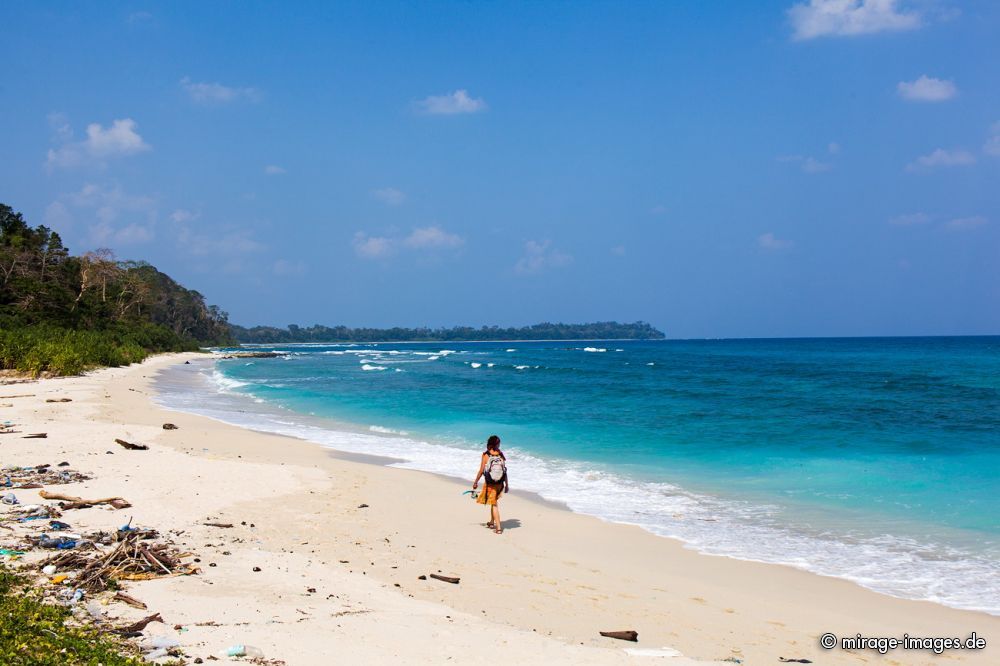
x,y
491,494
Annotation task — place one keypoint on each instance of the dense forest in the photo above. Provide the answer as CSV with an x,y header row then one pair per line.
x,y
608,330
62,313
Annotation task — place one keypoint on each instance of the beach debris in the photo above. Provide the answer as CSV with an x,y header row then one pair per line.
x,y
38,476
130,559
130,600
63,464
80,503
169,426
256,569
421,577
22,395
36,435
362,506
627,635
241,650
57,543
130,446
222,525
140,625
59,400
58,525
447,579
794,661
10,498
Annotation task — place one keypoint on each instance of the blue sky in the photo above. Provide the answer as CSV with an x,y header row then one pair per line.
x,y
823,167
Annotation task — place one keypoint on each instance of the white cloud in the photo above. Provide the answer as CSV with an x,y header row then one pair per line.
x,y
121,218
942,158
274,170
926,89
432,237
285,268
58,216
216,93
839,18
769,241
180,216
833,148
389,196
451,104
232,243
966,223
910,219
540,255
118,140
806,163
992,145
373,247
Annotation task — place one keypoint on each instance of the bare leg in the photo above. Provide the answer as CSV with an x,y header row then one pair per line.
x,y
496,518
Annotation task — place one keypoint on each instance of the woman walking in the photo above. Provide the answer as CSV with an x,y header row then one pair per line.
x,y
493,470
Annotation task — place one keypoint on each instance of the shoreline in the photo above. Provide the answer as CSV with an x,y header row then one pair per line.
x,y
550,583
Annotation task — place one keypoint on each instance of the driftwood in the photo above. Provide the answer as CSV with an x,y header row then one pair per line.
x,y
23,395
36,435
140,625
131,601
80,503
129,560
224,525
447,579
59,400
169,426
628,635
130,446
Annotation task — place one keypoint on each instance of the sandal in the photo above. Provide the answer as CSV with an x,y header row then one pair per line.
x,y
490,525
499,530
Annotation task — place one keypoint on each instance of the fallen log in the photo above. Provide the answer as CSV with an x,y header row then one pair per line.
x,y
131,601
139,625
36,435
446,579
59,400
23,395
224,525
130,446
628,635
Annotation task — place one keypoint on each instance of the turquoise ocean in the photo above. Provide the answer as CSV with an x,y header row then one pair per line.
x,y
871,459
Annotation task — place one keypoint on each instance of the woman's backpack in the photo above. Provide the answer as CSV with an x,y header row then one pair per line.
x,y
496,470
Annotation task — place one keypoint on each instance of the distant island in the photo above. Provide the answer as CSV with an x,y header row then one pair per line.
x,y
602,330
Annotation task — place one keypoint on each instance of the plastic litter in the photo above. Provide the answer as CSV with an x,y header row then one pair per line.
x,y
95,610
49,570
11,553
241,650
59,543
58,525
55,580
164,642
157,653
10,498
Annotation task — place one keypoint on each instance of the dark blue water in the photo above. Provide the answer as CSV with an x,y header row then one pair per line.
x,y
873,459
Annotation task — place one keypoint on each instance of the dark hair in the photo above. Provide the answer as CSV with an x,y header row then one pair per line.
x,y
494,443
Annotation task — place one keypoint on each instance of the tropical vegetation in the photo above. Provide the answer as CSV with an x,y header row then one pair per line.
x,y
62,314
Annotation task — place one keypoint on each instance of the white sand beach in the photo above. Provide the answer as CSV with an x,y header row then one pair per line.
x,y
360,534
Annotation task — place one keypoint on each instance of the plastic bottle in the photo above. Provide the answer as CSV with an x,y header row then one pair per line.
x,y
241,650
